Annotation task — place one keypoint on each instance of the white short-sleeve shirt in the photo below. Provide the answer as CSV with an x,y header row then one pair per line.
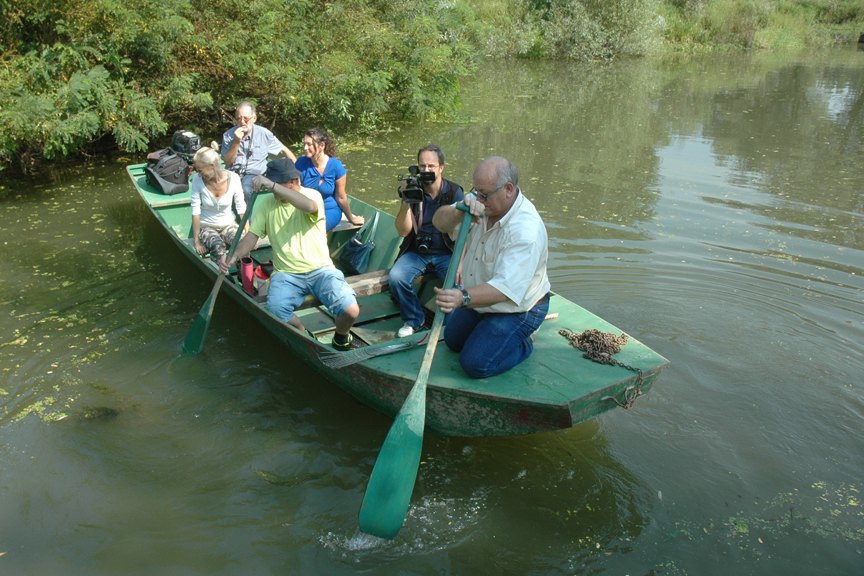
x,y
511,256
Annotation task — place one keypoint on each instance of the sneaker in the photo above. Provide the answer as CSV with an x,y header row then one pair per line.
x,y
406,330
351,344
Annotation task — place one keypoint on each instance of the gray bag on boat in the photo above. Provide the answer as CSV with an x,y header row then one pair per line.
x,y
168,172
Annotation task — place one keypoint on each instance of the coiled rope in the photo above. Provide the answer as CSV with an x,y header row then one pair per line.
x,y
599,347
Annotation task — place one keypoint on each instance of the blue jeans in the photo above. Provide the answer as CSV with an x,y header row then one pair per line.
x,y
490,344
405,271
246,181
287,291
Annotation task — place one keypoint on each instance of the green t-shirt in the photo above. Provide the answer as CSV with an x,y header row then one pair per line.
x,y
298,239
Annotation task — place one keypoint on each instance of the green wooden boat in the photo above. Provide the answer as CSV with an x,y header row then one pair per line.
x,y
555,388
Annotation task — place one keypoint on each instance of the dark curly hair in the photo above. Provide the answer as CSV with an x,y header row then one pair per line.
x,y
318,136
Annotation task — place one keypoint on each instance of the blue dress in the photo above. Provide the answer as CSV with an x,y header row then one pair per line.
x,y
323,183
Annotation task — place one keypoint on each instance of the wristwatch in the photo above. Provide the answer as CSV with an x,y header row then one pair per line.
x,y
466,298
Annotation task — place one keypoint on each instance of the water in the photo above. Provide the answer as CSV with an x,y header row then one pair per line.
x,y
711,207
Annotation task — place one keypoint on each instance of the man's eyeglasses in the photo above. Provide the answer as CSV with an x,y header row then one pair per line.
x,y
485,197
427,167
245,119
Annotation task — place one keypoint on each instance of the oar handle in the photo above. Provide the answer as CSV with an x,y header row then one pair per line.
x,y
194,342
450,279
246,216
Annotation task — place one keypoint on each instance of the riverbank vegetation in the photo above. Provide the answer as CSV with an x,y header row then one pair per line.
x,y
81,75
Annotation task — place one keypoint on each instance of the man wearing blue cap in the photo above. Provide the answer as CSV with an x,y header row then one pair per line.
x,y
293,219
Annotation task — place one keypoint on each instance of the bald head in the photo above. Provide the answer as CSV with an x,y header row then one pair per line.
x,y
497,170
495,182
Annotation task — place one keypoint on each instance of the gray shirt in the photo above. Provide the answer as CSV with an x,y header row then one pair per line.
x,y
253,151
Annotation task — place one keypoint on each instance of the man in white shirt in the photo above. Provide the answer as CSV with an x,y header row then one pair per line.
x,y
505,293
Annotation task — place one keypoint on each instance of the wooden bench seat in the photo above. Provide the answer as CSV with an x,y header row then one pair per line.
x,y
344,225
362,284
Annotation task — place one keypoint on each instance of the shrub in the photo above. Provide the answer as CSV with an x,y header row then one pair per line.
x,y
75,71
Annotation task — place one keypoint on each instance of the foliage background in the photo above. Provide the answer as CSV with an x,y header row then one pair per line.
x,y
77,76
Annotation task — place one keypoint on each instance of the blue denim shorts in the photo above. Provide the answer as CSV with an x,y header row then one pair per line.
x,y
287,291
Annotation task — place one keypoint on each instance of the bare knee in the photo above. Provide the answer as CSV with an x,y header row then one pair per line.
x,y
347,319
352,312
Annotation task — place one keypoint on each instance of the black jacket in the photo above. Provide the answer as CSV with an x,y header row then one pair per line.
x,y
445,197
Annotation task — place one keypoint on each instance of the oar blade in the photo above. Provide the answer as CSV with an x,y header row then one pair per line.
x,y
343,359
194,342
392,481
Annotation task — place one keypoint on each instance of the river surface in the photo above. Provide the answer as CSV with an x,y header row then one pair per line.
x,y
712,207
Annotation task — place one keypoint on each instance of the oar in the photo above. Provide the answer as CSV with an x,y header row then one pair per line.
x,y
194,342
392,481
343,359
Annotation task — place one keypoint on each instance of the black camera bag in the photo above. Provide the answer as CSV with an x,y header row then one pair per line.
x,y
168,172
185,143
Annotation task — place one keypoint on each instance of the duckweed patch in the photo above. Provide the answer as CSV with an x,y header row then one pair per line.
x,y
825,511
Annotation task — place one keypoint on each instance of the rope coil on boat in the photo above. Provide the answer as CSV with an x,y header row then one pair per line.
x,y
599,347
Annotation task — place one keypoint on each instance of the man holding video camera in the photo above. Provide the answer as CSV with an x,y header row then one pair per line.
x,y
424,248
246,147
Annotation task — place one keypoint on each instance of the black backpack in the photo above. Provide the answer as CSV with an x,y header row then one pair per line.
x,y
168,172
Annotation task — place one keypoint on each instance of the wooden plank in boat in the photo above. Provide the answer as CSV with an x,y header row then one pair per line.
x,y
345,225
316,320
373,307
382,330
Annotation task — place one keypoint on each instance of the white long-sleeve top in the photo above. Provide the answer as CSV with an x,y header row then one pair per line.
x,y
217,211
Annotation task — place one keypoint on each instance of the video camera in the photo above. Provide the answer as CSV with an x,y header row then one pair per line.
x,y
413,192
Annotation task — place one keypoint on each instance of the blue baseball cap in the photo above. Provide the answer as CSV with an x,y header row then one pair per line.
x,y
282,170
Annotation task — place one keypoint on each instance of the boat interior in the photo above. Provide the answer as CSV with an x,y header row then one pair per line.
x,y
379,316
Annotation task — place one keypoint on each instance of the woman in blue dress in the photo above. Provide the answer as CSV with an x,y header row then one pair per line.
x,y
321,172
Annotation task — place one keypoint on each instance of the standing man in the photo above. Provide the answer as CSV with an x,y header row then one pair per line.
x,y
424,247
246,147
505,293
293,218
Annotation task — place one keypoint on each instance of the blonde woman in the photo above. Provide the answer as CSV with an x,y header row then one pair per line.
x,y
214,190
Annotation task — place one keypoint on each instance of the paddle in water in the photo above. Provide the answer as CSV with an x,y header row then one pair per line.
x,y
194,342
392,481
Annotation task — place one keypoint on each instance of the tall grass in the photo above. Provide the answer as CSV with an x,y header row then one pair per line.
x,y
761,24
598,29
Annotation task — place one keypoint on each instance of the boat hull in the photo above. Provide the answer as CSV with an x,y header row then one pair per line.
x,y
538,395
